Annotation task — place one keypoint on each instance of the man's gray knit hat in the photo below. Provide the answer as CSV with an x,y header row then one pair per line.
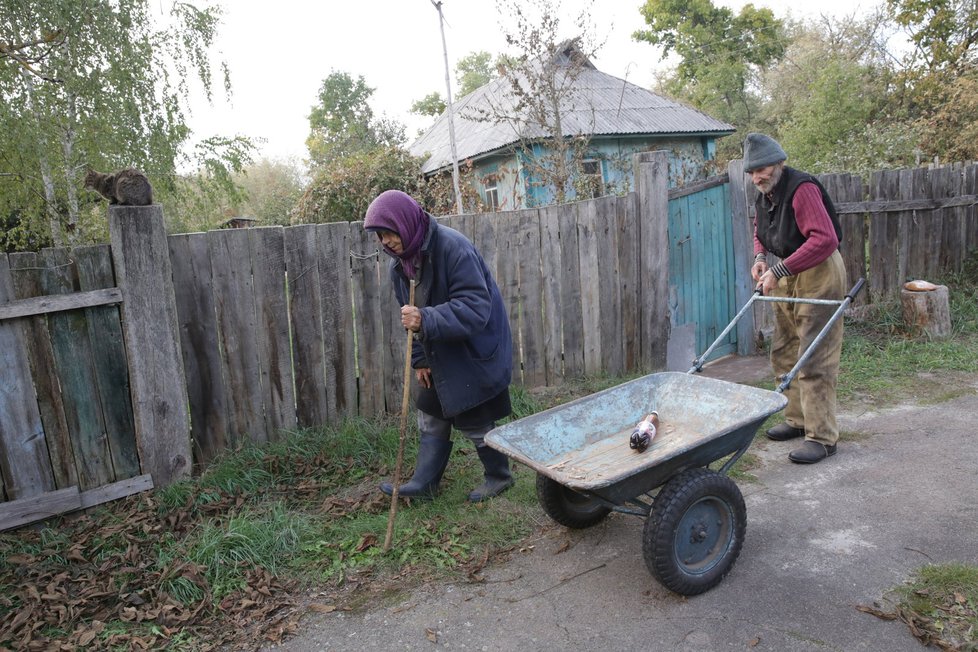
x,y
761,151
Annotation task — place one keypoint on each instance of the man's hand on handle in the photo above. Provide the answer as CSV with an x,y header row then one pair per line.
x,y
764,277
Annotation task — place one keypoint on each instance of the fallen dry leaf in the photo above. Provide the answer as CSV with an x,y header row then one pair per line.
x,y
431,634
883,615
322,608
368,541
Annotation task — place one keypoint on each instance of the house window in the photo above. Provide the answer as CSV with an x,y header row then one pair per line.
x,y
592,179
492,195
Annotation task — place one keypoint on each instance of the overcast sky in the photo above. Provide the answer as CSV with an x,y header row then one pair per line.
x,y
280,51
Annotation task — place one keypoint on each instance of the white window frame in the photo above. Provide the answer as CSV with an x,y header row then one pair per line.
x,y
597,191
492,195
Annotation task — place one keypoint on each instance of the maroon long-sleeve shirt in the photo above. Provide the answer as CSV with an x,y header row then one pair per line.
x,y
815,224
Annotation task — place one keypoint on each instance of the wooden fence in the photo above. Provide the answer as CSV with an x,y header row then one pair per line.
x,y
237,336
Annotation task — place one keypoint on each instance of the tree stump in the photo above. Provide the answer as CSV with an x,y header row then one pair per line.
x,y
927,312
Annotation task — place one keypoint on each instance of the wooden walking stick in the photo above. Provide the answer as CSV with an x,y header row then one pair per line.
x,y
400,444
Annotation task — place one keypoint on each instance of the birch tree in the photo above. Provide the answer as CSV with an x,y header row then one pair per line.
x,y
101,84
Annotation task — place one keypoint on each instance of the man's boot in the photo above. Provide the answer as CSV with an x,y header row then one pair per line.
x,y
497,476
433,453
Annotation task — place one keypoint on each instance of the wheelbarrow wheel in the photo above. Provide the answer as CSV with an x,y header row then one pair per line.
x,y
568,507
695,531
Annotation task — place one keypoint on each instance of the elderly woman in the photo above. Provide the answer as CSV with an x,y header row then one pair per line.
x,y
462,353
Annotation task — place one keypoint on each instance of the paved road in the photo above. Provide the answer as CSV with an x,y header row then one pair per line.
x,y
821,540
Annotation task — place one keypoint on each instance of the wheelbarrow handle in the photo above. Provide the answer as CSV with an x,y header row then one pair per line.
x,y
856,288
757,296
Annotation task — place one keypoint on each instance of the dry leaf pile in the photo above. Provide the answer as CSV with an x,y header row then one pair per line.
x,y
105,590
952,631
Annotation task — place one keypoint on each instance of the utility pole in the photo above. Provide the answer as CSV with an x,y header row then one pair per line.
x,y
451,116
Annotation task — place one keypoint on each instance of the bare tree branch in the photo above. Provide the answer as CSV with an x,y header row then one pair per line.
x,y
27,54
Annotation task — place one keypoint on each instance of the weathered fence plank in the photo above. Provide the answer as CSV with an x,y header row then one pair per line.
x,y
24,460
904,220
571,315
590,264
115,490
530,299
552,280
142,265
921,232
854,233
628,266
26,272
484,239
651,181
507,268
965,200
609,287
29,509
305,312
200,345
94,265
44,305
234,297
76,374
970,186
16,513
884,269
337,315
743,249
372,301
946,183
274,349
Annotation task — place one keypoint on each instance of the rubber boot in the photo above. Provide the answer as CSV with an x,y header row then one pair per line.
x,y
433,453
498,478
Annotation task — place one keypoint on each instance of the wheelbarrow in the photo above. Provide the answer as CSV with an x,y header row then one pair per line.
x,y
695,516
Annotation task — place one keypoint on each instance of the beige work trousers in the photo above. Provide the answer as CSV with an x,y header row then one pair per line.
x,y
811,395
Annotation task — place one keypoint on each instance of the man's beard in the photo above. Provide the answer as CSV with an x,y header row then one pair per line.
x,y
766,187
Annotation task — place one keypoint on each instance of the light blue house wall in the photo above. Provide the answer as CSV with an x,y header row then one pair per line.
x,y
515,186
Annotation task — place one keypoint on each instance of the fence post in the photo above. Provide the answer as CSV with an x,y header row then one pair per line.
x,y
149,322
651,170
743,249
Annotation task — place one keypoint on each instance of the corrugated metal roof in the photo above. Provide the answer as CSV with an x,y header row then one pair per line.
x,y
599,104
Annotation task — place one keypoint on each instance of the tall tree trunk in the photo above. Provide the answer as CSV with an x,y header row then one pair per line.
x,y
47,176
67,148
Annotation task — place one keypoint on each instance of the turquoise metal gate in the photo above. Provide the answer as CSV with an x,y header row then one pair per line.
x,y
701,262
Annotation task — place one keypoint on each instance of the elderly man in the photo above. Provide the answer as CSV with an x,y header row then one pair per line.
x,y
796,221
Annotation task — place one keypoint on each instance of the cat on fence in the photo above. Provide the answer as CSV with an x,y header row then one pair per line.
x,y
127,187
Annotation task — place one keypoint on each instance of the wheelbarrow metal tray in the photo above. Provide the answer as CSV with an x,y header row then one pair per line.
x,y
584,444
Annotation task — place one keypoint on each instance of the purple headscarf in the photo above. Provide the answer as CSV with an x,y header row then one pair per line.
x,y
396,211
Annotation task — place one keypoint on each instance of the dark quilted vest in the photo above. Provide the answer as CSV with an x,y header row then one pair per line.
x,y
776,226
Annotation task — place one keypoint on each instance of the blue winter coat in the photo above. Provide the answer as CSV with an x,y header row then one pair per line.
x,y
465,337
